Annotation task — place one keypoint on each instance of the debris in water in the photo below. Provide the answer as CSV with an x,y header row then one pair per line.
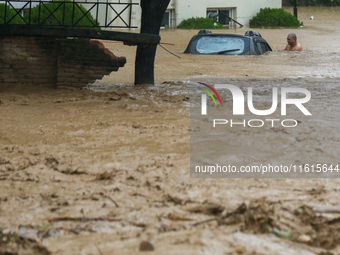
x,y
240,249
281,234
146,246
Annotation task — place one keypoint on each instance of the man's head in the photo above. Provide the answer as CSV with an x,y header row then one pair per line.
x,y
291,39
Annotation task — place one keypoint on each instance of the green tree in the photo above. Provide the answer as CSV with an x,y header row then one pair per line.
x,y
10,13
327,2
61,13
316,2
275,17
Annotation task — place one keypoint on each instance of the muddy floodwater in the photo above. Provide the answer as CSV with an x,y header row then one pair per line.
x,y
106,170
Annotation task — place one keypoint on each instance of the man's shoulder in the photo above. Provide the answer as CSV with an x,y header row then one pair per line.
x,y
298,47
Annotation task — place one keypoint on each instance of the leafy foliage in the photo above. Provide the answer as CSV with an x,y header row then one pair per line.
x,y
10,13
274,17
200,23
68,14
316,2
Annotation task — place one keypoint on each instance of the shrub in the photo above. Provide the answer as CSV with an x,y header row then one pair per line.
x,y
200,23
274,17
315,2
9,14
57,9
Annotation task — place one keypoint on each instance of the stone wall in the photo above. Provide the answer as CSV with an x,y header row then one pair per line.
x,y
52,61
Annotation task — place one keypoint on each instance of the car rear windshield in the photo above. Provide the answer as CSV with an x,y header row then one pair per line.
x,y
221,45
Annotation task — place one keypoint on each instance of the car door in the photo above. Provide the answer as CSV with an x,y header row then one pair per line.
x,y
261,46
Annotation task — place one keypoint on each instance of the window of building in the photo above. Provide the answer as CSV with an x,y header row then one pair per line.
x,y
223,15
167,19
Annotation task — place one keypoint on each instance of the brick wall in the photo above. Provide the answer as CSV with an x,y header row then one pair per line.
x,y
51,61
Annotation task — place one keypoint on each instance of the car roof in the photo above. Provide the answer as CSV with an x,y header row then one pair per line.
x,y
221,34
248,34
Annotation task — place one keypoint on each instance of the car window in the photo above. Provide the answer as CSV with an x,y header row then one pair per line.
x,y
262,47
214,44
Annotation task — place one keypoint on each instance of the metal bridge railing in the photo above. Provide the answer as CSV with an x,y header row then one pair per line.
x,y
68,13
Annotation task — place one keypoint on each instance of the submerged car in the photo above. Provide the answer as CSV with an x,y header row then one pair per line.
x,y
209,43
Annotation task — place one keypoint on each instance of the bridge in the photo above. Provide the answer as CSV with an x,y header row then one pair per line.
x,y
36,45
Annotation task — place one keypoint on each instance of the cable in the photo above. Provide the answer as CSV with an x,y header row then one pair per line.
x,y
170,52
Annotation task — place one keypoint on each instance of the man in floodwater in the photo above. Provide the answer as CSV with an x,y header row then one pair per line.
x,y
292,45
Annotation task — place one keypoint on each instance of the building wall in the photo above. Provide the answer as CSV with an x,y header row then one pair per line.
x,y
243,10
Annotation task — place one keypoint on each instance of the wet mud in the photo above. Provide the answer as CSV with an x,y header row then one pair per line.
x,y
106,170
